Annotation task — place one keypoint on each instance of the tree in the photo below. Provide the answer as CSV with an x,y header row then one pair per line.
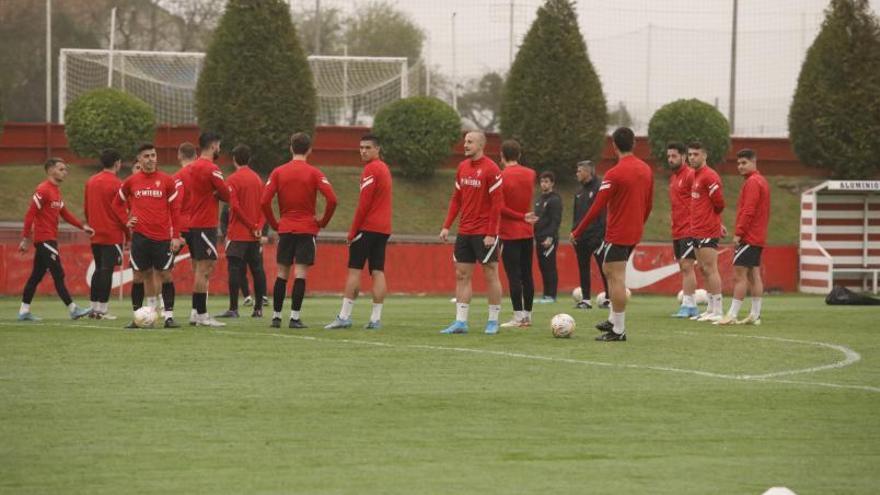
x,y
256,86
379,29
553,101
108,118
689,120
620,117
834,119
481,102
332,31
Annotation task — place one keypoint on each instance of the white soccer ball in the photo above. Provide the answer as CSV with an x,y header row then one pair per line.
x,y
577,294
562,326
145,317
779,490
700,296
601,298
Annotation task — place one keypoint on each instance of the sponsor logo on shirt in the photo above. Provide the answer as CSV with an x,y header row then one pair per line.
x,y
148,193
56,204
469,181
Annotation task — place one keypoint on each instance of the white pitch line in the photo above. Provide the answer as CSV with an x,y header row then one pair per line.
x,y
851,357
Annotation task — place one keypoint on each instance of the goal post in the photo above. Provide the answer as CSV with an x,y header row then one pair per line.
x,y
350,89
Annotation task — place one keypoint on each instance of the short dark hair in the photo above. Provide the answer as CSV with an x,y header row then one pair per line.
x,y
145,147
207,138
371,138
511,150
677,146
747,153
51,162
695,145
109,157
624,138
300,143
187,150
242,154
548,175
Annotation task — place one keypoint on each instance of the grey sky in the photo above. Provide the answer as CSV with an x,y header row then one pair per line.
x,y
689,52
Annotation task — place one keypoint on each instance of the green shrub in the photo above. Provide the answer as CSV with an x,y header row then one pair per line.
x,y
834,119
552,100
108,118
689,120
256,87
417,134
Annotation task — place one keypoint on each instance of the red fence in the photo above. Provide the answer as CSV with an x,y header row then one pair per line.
x,y
414,269
33,143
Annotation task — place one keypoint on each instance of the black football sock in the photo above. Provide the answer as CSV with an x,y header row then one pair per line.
x,y
137,295
278,294
200,302
298,293
168,295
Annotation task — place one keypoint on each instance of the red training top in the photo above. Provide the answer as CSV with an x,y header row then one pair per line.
x,y
707,203
753,210
203,190
181,180
628,190
102,214
681,182
245,215
518,184
42,216
155,201
374,203
297,184
478,196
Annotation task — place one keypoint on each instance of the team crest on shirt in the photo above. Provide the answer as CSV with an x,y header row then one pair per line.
x,y
157,183
695,194
479,172
56,204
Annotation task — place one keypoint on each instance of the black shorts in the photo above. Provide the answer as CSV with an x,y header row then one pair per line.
x,y
296,249
107,255
368,246
187,238
203,244
684,249
747,255
610,253
470,249
245,250
708,242
147,254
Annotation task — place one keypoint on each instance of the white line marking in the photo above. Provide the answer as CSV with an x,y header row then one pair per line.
x,y
851,357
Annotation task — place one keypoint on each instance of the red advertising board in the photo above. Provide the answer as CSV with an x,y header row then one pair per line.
x,y
411,269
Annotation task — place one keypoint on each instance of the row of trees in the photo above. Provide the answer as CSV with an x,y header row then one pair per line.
x,y
256,88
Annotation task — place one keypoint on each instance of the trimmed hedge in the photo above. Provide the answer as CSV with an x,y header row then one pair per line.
x,y
108,118
834,119
689,120
417,135
552,101
256,86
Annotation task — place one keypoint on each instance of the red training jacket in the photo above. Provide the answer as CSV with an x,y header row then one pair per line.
x,y
477,196
42,215
297,184
155,200
373,212
181,180
245,214
518,185
681,183
628,190
203,190
707,203
102,214
753,210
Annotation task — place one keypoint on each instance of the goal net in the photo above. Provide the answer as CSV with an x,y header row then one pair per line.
x,y
350,89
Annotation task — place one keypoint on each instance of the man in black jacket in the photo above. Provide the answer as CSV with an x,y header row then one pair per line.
x,y
591,239
548,208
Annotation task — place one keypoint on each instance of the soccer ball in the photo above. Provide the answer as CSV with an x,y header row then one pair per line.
x,y
700,296
600,298
562,326
577,294
145,317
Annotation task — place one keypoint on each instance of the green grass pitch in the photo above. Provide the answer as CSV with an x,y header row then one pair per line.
x,y
681,408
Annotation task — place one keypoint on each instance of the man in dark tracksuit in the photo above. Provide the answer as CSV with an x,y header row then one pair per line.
x,y
591,239
548,208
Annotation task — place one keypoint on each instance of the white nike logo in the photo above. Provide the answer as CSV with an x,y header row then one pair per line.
x,y
638,279
125,276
